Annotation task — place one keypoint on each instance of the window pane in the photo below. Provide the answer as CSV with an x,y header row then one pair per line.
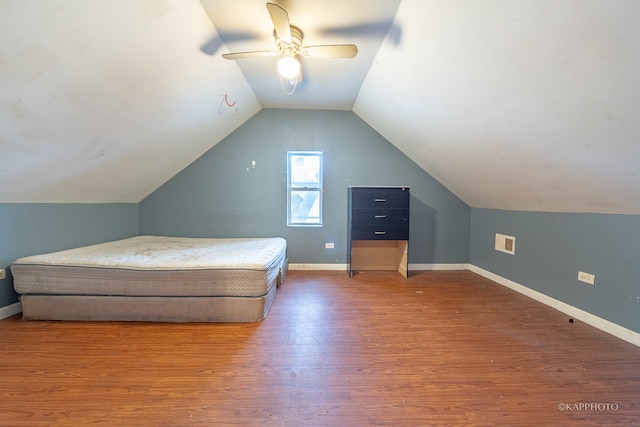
x,y
305,207
304,189
305,171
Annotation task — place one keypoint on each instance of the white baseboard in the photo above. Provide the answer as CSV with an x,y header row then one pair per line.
x,y
423,267
412,267
333,267
584,316
10,310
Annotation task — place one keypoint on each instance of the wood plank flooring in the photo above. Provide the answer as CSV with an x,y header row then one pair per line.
x,y
438,348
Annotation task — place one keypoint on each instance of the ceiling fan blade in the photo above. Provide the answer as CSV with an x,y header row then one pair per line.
x,y
280,19
252,54
375,29
330,51
213,44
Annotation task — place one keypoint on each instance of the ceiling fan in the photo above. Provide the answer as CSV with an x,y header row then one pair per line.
x,y
288,39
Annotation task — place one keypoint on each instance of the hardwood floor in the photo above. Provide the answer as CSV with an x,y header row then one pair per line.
x,y
439,348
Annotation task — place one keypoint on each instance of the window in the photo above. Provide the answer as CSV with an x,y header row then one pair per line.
x,y
304,188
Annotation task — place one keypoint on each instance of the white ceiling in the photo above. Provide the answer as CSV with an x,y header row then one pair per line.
x,y
516,104
104,101
511,104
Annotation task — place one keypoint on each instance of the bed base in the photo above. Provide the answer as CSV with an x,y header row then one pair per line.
x,y
146,309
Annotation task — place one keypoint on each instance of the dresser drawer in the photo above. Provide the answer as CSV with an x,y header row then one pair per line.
x,y
380,217
382,198
380,232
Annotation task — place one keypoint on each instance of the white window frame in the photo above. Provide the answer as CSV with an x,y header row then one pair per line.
x,y
295,188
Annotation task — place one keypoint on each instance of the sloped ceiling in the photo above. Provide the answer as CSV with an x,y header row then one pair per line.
x,y
104,101
511,104
516,104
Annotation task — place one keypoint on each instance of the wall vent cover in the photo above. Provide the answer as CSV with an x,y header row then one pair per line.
x,y
506,244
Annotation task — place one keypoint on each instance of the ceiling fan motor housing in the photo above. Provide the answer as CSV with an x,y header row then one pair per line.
x,y
293,48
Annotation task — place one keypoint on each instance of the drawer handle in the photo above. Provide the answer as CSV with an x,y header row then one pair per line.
x,y
380,216
379,200
380,232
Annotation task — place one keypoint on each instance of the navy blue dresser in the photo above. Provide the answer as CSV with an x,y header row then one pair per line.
x,y
378,228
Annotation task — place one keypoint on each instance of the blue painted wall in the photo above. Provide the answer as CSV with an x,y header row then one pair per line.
x,y
552,247
29,229
223,194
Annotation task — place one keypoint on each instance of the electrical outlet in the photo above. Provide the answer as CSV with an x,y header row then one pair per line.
x,y
329,246
3,273
587,278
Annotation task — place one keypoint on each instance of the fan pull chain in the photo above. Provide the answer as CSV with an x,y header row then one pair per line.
x,y
295,84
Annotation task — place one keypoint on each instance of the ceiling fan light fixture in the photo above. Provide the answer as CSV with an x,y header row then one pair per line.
x,y
288,40
288,67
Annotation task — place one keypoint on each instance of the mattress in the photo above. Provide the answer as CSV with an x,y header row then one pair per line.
x,y
156,266
154,278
